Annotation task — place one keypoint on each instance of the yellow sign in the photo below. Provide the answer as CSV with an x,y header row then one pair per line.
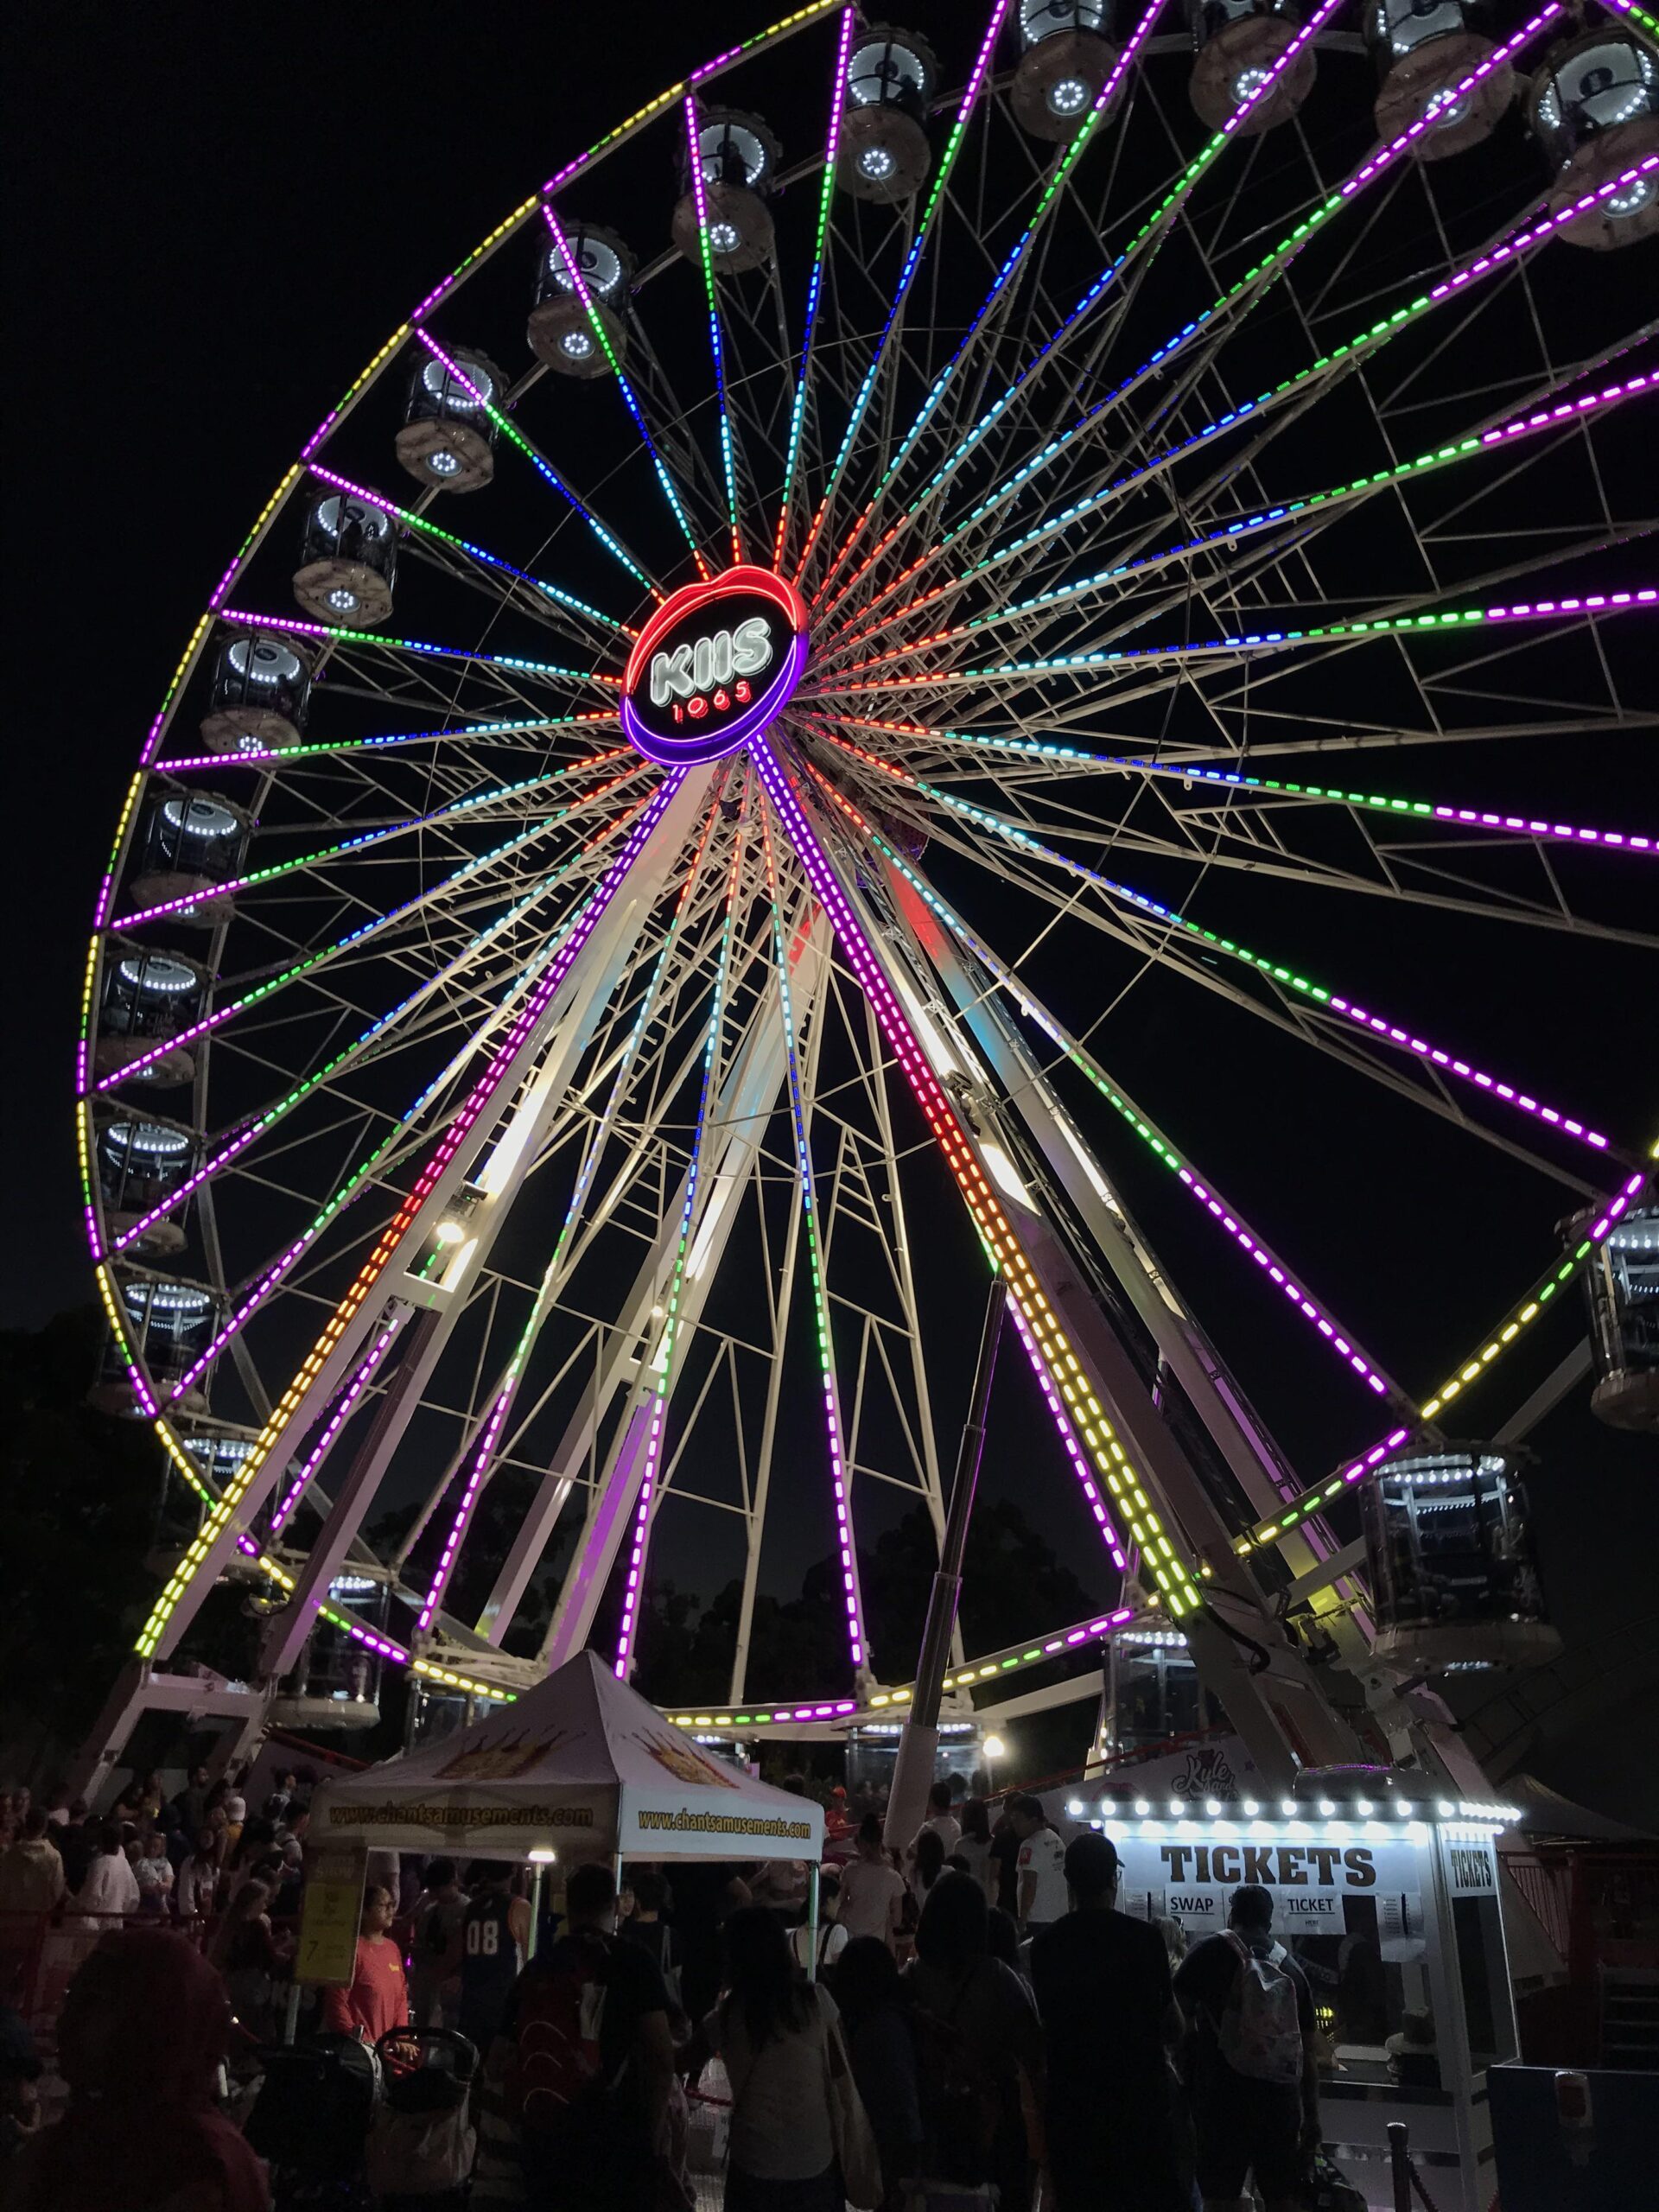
x,y
330,1910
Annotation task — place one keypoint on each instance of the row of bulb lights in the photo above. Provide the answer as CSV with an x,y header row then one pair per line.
x,y
1294,1809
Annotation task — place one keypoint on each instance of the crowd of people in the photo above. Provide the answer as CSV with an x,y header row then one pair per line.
x,y
964,2016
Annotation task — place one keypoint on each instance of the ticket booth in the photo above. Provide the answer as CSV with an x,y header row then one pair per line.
x,y
1388,1901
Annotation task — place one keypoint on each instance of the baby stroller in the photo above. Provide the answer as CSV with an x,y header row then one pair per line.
x,y
419,2154
311,2119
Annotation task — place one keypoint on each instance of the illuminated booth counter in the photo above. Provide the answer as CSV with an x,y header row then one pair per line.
x,y
1388,1902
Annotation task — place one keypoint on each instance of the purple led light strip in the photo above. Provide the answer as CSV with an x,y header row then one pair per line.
x,y
1406,810
1375,1377
1375,1023
275,1273
839,1479
657,1415
483,1453
337,1420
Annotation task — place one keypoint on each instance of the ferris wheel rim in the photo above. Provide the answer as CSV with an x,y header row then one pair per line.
x,y
292,483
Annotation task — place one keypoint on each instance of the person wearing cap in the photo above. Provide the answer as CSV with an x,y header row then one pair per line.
x,y
1102,1984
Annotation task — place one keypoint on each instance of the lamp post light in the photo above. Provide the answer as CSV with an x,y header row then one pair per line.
x,y
990,1751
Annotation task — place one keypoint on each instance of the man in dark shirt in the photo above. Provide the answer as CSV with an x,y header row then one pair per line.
x,y
1245,2125
606,2157
1005,1857
1102,1984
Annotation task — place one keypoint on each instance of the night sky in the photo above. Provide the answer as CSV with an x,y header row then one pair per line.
x,y
216,216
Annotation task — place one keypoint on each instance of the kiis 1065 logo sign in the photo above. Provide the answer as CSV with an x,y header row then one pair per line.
x,y
713,666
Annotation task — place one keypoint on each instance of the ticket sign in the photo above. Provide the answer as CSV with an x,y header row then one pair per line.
x,y
331,1907
714,665
1311,1878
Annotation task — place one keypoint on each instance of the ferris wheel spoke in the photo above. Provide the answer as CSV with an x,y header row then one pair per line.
x,y
599,335
1012,264
1149,235
1344,1342
1296,1008
1181,766
543,467
654,1410
542,599
1337,361
1324,999
906,277
1286,516
488,1439
840,1470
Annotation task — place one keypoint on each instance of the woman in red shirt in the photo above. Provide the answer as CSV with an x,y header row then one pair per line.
x,y
378,2000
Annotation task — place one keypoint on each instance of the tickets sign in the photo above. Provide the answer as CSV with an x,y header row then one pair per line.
x,y
714,665
1310,1879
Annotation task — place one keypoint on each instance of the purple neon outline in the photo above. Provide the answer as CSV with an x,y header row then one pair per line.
x,y
714,745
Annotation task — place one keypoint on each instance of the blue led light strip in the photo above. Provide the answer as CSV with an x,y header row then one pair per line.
x,y
419,524
543,468
1068,161
716,345
815,283
596,324
1108,277
906,275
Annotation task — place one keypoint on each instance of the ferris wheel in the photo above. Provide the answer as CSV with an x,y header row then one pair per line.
x,y
615,934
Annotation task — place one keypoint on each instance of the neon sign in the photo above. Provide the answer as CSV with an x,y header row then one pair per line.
x,y
715,664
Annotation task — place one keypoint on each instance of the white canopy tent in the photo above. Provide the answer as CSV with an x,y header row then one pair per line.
x,y
579,1768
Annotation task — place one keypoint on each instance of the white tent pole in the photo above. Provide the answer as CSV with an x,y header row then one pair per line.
x,y
812,1922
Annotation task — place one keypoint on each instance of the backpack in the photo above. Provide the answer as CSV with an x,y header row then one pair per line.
x,y
1259,2034
556,2076
961,2097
